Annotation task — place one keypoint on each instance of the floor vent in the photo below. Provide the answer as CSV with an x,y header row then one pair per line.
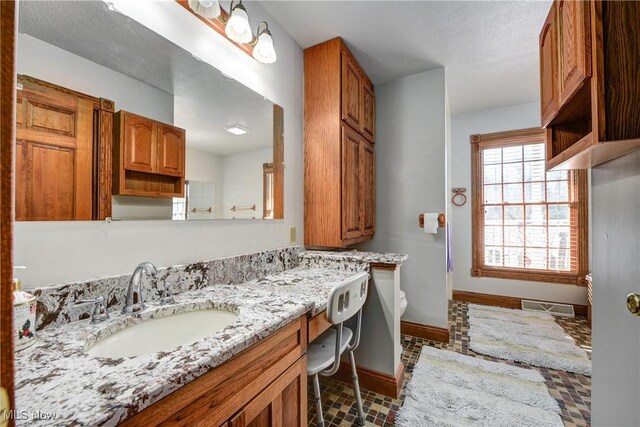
x,y
549,307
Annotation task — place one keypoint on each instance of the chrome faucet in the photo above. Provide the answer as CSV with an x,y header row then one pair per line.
x,y
135,302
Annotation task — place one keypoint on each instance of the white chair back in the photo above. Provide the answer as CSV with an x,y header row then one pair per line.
x,y
347,298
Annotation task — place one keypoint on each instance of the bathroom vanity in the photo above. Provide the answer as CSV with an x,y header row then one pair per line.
x,y
254,368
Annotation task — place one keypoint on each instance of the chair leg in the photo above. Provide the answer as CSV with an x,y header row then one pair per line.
x,y
316,392
356,389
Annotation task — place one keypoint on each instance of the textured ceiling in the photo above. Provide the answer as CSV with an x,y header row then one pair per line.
x,y
489,48
205,101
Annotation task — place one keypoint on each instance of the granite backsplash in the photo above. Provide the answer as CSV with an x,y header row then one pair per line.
x,y
57,303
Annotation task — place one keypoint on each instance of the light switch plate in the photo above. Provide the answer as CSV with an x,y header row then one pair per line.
x,y
292,235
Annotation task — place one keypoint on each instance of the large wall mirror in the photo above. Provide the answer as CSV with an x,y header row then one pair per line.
x,y
115,121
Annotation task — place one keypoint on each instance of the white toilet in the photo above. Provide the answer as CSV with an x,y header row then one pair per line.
x,y
403,302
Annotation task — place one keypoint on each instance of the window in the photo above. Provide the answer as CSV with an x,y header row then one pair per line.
x,y
267,190
528,224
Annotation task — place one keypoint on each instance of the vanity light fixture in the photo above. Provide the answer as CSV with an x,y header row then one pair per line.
x,y
236,129
237,27
263,51
206,8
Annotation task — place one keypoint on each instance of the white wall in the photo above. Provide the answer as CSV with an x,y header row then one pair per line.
x,y
64,251
616,273
411,178
42,60
462,127
243,184
206,167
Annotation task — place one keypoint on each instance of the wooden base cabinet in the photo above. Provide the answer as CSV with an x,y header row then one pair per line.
x,y
339,150
263,386
590,96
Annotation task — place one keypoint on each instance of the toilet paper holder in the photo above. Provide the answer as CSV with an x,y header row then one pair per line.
x,y
442,220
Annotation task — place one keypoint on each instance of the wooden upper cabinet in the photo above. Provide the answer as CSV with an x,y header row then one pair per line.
x,y
351,183
549,66
575,46
368,109
595,118
148,157
171,150
368,188
351,91
339,153
139,143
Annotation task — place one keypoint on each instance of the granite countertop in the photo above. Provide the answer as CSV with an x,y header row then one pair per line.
x,y
310,286
55,375
353,255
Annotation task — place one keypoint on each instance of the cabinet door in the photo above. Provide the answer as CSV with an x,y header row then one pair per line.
x,y
351,183
575,44
282,404
139,143
351,91
368,127
171,150
549,66
368,188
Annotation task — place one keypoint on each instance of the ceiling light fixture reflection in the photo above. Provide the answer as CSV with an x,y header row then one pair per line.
x,y
205,8
237,27
236,129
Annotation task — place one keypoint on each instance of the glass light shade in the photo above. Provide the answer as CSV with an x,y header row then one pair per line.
x,y
238,28
205,8
263,51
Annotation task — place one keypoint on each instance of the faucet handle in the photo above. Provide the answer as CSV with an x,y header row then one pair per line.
x,y
166,297
100,311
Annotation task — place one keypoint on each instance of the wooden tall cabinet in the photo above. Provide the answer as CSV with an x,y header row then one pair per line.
x,y
149,157
339,150
590,96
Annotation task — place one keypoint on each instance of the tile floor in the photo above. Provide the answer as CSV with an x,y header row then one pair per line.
x,y
572,391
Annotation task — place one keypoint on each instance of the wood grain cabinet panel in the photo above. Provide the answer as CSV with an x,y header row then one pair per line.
x,y
351,183
351,91
368,109
549,90
148,157
280,404
368,188
51,177
171,150
140,143
339,153
575,45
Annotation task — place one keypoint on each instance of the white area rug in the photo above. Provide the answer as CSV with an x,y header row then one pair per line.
x,y
451,389
525,336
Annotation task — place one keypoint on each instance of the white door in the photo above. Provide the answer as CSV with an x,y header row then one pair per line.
x,y
616,273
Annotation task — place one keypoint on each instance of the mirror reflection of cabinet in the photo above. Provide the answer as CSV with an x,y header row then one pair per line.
x,y
149,157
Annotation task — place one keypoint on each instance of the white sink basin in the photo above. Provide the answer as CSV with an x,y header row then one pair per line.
x,y
162,334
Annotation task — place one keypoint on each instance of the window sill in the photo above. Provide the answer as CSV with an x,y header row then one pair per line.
x,y
534,276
